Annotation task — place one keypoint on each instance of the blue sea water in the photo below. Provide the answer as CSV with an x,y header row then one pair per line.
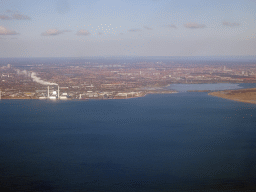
x,y
172,142
212,87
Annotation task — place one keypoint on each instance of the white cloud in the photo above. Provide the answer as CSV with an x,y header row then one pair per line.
x,y
66,31
83,32
194,25
134,30
230,24
148,28
20,17
5,31
16,16
171,26
52,32
5,17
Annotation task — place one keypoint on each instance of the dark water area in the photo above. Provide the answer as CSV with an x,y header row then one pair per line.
x,y
176,142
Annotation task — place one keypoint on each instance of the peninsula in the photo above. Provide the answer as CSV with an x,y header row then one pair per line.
x,y
241,95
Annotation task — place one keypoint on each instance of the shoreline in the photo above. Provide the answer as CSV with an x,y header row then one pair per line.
x,y
240,95
247,95
87,99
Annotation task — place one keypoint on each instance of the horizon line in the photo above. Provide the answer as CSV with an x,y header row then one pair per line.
x,y
84,57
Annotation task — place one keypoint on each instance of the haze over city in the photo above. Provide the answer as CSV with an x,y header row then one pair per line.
x,y
64,28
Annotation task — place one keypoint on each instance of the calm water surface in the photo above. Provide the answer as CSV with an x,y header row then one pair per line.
x,y
211,87
177,142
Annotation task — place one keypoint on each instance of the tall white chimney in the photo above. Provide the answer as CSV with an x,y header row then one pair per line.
x,y
0,95
48,92
58,92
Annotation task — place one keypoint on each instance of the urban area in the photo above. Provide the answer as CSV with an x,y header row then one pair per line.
x,y
93,79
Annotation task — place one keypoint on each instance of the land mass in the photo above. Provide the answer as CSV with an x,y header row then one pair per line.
x,y
241,95
74,78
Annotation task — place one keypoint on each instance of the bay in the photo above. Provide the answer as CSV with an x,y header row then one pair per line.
x,y
210,87
176,142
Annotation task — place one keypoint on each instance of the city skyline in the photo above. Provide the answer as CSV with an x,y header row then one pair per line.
x,y
127,28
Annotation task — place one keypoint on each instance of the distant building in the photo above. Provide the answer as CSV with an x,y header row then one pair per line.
x,y
52,97
63,97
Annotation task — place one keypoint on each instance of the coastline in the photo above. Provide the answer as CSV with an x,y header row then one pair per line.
x,y
241,95
101,98
246,95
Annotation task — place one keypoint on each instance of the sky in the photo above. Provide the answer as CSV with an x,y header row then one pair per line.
x,y
88,28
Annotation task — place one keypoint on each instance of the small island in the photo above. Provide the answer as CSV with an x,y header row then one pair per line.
x,y
241,95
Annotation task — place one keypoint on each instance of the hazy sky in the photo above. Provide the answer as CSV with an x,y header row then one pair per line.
x,y
65,28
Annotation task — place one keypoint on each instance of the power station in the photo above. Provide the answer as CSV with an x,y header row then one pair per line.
x,y
54,95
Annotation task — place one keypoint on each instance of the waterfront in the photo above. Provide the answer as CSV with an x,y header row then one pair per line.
x,y
159,142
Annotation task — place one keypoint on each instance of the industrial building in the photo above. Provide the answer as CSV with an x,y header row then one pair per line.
x,y
53,95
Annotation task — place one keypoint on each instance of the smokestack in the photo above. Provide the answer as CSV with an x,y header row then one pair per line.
x,y
58,92
48,92
0,95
